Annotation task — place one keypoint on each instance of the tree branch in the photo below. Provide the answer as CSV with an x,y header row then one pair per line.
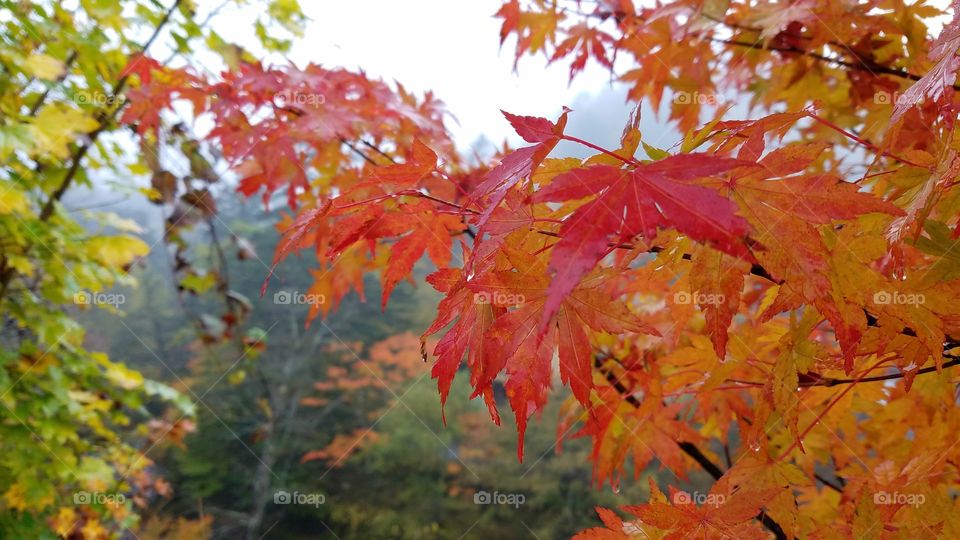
x,y
862,65
103,118
377,149
353,148
828,483
834,382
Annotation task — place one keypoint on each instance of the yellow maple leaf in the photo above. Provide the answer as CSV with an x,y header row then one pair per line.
x,y
93,529
15,497
124,377
116,251
118,373
56,126
44,66
64,521
12,200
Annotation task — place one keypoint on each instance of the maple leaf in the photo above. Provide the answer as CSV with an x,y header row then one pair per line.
x,y
616,528
520,163
636,202
795,358
510,13
619,430
429,233
590,42
514,335
718,280
56,125
722,515
910,223
776,17
533,29
143,66
465,337
511,303
513,215
159,86
534,129
294,236
784,208
940,78
421,162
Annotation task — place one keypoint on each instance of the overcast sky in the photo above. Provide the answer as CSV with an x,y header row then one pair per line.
x,y
450,47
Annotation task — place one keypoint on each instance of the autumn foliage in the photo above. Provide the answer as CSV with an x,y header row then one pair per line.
x,y
772,300
759,301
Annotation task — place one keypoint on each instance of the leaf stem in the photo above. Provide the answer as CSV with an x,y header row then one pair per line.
x,y
825,410
863,141
588,144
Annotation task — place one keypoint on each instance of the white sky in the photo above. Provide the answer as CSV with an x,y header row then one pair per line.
x,y
448,46
452,48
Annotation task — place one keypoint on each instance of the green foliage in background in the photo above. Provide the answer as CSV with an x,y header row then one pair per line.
x,y
72,421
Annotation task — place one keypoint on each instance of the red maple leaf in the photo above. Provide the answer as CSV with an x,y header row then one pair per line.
x,y
626,203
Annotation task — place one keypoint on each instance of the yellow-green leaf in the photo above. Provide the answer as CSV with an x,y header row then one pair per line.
x,y
56,126
198,283
44,66
116,251
12,200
